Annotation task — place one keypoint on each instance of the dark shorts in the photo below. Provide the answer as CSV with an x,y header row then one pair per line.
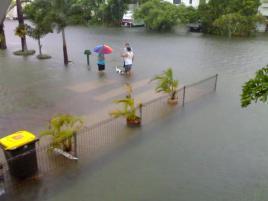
x,y
127,67
101,67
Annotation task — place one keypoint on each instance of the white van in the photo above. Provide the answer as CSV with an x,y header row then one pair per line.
x,y
129,21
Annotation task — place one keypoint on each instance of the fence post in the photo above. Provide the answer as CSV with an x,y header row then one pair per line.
x,y
140,110
216,80
75,144
2,180
183,97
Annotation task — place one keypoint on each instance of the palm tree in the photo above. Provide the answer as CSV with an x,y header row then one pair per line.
x,y
62,128
167,84
129,109
21,24
59,13
59,16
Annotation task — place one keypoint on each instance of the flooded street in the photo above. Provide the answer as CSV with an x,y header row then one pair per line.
x,y
211,150
31,91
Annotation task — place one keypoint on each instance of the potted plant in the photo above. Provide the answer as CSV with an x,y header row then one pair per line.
x,y
61,128
129,110
167,84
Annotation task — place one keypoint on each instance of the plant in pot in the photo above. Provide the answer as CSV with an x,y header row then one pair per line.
x,y
129,110
61,128
167,84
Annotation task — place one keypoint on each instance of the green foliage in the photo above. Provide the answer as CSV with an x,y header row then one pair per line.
x,y
191,15
234,24
61,128
113,11
245,7
158,15
163,16
202,2
143,1
166,83
38,17
92,10
64,13
129,109
218,16
108,12
55,12
256,89
187,14
37,32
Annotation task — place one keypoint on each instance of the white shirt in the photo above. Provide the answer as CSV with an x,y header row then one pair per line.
x,y
128,58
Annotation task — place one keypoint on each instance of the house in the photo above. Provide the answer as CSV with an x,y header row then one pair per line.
x,y
263,9
193,3
3,8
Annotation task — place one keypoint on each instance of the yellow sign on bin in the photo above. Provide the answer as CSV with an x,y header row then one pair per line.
x,y
17,140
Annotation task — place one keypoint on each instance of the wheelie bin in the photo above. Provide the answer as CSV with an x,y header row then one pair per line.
x,y
20,153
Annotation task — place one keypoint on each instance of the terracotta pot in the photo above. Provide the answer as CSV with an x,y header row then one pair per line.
x,y
134,123
172,101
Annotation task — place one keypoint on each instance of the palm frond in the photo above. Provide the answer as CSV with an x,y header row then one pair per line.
x,y
46,133
118,113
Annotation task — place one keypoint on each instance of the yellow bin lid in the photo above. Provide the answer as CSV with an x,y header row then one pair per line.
x,y
17,140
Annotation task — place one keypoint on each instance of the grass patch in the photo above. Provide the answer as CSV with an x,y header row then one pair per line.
x,y
24,53
43,56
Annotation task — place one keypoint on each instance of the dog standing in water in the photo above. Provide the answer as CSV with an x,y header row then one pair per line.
x,y
120,70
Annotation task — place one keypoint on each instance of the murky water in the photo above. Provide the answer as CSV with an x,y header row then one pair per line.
x,y
210,150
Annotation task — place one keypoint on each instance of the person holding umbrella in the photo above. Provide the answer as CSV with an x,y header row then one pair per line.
x,y
101,62
101,50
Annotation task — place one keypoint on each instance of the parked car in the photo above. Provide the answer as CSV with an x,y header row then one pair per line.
x,y
129,21
195,27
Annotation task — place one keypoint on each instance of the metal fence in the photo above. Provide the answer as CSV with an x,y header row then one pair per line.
x,y
106,134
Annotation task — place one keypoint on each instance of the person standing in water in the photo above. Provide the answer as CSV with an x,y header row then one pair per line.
x,y
125,50
128,57
101,62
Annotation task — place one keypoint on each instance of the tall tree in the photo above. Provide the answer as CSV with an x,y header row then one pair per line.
x,y
3,9
42,26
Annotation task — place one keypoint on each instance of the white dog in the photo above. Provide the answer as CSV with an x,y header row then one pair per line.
x,y
119,70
